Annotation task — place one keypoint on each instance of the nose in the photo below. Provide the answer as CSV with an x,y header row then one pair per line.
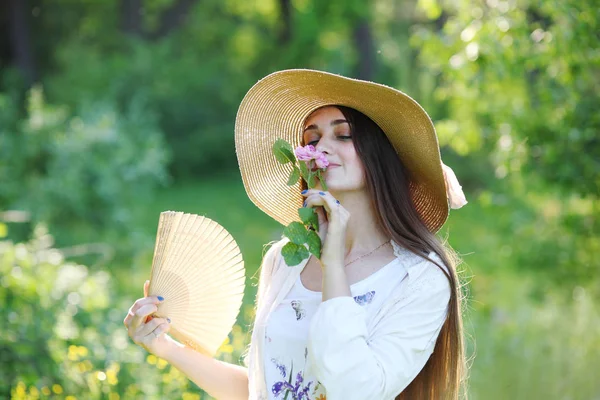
x,y
322,146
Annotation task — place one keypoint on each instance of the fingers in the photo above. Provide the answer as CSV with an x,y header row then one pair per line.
x,y
162,328
150,332
337,215
147,329
319,198
141,309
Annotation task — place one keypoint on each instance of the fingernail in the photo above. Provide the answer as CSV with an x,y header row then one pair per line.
x,y
304,205
160,298
304,191
169,319
322,193
337,201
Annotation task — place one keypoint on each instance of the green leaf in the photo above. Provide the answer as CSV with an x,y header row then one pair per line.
x,y
311,181
293,254
294,176
309,216
314,244
323,184
296,232
283,151
303,170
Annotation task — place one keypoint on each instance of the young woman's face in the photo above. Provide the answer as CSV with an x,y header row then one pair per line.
x,y
328,130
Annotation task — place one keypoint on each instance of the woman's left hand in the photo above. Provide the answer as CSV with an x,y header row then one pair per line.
x,y
333,221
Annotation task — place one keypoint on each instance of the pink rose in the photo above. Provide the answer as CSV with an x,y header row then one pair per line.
x,y
305,153
321,161
309,153
454,191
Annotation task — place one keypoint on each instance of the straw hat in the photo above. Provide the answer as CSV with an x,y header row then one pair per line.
x,y
277,106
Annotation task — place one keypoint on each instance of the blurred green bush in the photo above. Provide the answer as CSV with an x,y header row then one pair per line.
x,y
194,99
63,336
519,82
81,170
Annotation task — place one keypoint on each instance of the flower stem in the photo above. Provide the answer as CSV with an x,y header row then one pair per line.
x,y
320,176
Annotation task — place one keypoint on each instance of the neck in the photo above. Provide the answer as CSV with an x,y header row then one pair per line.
x,y
363,234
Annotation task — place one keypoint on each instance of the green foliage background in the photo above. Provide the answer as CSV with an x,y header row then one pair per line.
x,y
123,122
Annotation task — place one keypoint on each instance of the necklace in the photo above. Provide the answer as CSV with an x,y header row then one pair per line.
x,y
369,253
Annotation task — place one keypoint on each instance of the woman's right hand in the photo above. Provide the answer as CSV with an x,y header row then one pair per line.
x,y
145,331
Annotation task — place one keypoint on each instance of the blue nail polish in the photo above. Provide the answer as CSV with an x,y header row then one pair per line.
x,y
304,191
322,193
160,298
169,319
337,201
304,205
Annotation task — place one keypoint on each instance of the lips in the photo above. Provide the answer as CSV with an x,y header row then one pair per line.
x,y
328,167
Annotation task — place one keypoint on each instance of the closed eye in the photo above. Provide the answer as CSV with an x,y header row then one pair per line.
x,y
314,142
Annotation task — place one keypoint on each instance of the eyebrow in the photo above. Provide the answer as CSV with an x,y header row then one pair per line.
x,y
333,123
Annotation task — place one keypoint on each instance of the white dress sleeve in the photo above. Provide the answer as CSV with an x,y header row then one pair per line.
x,y
267,270
353,363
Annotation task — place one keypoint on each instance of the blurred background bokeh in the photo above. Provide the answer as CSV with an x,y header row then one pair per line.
x,y
112,111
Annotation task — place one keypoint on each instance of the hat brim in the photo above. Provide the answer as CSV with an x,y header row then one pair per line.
x,y
277,106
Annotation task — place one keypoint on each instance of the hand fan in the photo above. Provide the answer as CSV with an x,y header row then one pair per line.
x,y
198,269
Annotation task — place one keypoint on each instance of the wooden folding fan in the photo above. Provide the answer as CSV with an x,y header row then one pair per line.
x,y
198,269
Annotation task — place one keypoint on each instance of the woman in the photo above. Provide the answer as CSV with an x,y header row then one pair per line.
x,y
378,316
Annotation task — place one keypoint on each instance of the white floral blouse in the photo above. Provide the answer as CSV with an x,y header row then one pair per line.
x,y
368,346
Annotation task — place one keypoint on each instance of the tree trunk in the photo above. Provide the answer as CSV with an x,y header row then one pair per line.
x,y
285,33
131,17
19,38
363,40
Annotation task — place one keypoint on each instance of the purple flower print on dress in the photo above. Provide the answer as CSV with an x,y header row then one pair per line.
x,y
297,391
281,386
280,367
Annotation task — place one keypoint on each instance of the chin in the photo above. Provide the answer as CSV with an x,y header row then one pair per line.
x,y
337,186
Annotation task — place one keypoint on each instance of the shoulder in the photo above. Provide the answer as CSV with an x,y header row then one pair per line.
x,y
272,256
428,276
421,266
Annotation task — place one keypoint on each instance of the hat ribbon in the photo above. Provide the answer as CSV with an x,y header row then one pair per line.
x,y
456,197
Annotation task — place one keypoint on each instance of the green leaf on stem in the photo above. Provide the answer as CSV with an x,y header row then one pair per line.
x,y
283,151
310,182
314,244
303,170
293,254
294,176
296,232
309,217
320,176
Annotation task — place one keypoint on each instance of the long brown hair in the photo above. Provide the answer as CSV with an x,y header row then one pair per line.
x,y
388,184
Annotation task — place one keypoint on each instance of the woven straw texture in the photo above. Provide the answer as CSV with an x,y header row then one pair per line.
x,y
277,106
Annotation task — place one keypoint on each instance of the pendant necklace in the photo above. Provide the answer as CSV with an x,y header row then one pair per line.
x,y
369,253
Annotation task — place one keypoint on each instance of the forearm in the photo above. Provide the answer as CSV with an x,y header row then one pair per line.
x,y
221,380
335,281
